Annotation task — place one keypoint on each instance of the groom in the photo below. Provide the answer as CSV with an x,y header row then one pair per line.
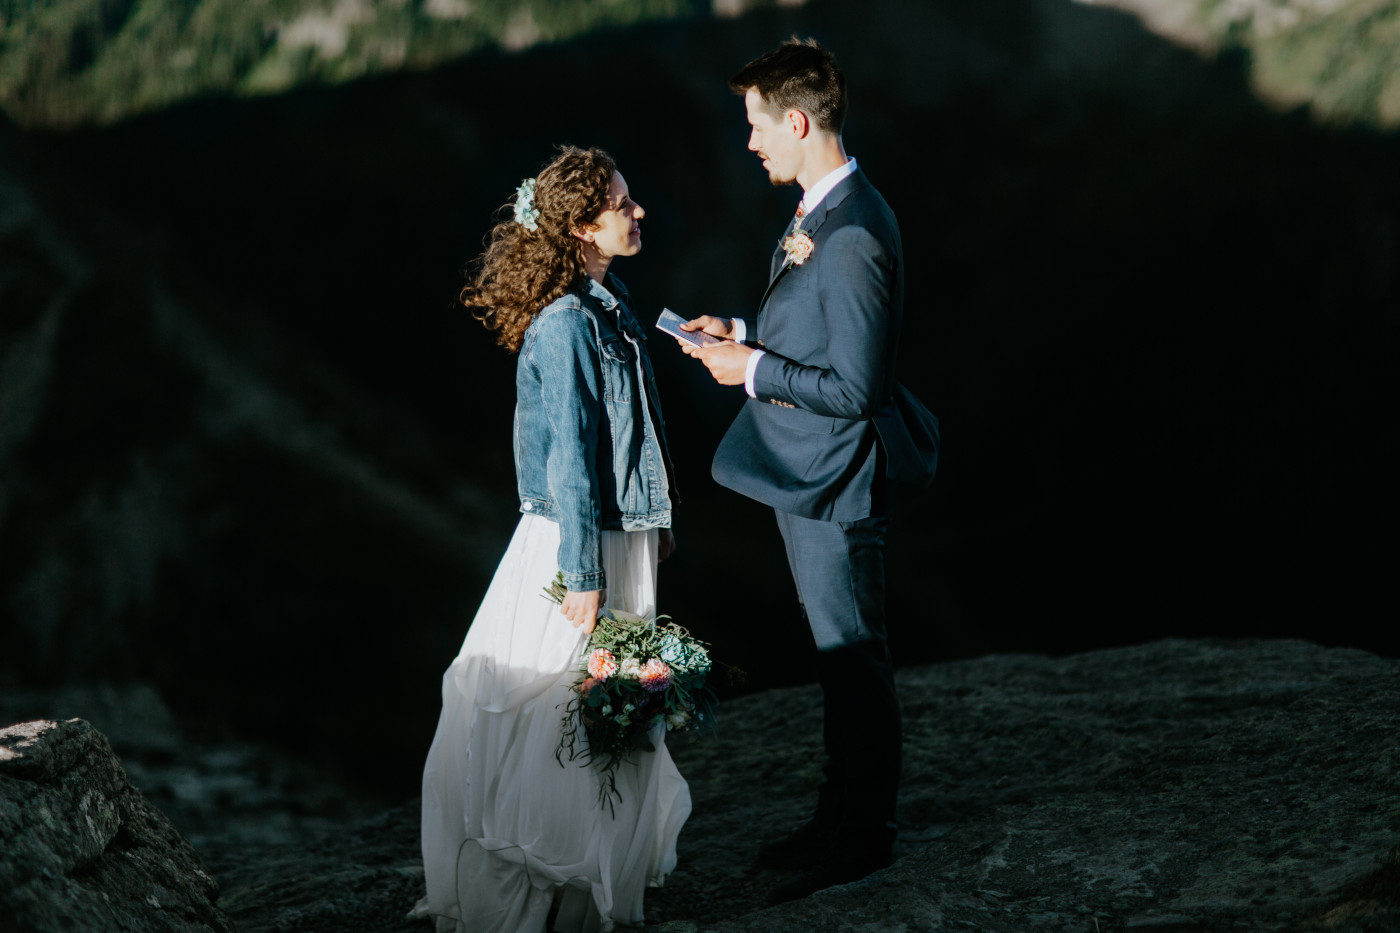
x,y
830,441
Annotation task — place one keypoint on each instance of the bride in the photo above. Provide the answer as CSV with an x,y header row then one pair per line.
x,y
514,840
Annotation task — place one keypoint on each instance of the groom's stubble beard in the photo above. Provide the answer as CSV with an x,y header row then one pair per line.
x,y
774,179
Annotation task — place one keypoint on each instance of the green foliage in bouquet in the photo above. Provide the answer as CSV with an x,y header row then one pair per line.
x,y
637,676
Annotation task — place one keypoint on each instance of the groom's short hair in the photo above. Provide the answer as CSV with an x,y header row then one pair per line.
x,y
798,75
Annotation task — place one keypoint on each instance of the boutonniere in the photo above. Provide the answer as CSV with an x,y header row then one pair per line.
x,y
798,247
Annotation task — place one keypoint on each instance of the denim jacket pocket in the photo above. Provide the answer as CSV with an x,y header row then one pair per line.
x,y
617,364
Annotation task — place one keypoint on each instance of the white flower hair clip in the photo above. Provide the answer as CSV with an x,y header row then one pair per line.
x,y
525,212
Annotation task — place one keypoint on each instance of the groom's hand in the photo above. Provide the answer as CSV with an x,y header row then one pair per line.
x,y
716,326
727,362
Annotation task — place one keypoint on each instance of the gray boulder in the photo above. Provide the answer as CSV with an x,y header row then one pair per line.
x,y
1173,787
81,850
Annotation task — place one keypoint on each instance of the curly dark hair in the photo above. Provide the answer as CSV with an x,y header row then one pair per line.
x,y
523,270
798,75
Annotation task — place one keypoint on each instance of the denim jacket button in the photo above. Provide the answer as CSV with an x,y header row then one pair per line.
x,y
527,506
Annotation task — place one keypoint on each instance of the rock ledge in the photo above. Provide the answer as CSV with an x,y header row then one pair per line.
x,y
82,850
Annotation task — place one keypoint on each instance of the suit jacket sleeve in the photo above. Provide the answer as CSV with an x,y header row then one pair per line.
x,y
856,279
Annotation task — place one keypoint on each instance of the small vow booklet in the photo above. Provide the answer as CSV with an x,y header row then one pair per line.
x,y
671,322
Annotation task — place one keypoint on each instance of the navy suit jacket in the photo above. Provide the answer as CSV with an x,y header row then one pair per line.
x,y
830,428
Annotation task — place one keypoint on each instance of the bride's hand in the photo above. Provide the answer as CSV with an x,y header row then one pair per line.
x,y
665,543
581,608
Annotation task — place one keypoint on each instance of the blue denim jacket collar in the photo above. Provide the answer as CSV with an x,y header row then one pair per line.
x,y
600,291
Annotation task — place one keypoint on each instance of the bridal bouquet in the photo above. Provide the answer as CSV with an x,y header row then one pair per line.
x,y
635,674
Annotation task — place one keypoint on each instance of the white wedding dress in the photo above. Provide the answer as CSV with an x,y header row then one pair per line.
x,y
509,835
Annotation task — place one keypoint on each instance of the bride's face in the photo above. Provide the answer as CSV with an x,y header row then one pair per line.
x,y
617,230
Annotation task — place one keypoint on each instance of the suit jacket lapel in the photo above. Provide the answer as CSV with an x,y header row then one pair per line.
x,y
844,189
779,256
811,223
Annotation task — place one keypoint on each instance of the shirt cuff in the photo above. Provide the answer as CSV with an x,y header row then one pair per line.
x,y
740,329
749,371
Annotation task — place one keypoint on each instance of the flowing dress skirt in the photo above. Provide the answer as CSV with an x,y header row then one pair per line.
x,y
509,834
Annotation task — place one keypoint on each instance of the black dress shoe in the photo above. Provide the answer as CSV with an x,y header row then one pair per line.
x,y
804,847
837,867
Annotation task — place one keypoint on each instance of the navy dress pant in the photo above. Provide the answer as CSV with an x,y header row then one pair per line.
x,y
839,569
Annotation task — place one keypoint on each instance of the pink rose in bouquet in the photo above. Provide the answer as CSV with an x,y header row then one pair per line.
x,y
602,664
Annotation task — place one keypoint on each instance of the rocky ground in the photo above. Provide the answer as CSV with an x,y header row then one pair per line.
x,y
1172,787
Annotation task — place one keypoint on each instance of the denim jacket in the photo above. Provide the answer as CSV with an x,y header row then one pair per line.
x,y
590,444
